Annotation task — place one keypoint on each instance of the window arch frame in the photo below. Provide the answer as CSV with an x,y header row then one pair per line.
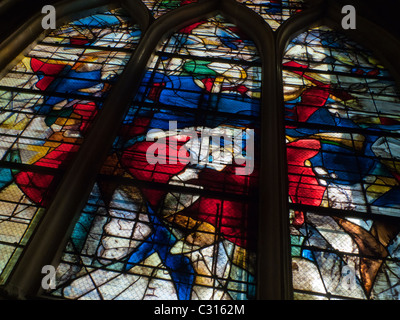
x,y
273,261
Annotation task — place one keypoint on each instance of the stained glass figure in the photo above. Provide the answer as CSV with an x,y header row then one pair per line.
x,y
275,12
47,104
179,224
342,127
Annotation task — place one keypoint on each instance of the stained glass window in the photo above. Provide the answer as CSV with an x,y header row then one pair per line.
x,y
160,7
342,127
173,228
275,12
47,104
173,211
